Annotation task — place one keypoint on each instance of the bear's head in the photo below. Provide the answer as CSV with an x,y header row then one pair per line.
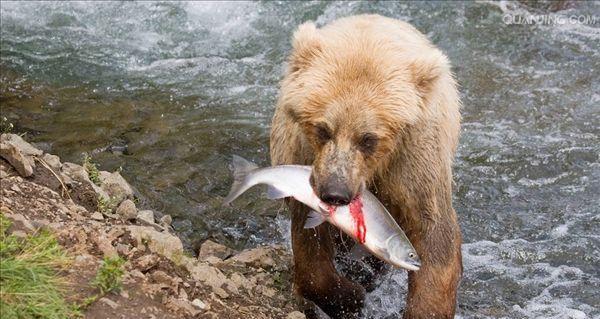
x,y
354,103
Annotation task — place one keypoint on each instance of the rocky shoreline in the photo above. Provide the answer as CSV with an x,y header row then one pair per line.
x,y
94,216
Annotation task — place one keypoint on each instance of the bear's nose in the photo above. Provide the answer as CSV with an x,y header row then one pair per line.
x,y
336,194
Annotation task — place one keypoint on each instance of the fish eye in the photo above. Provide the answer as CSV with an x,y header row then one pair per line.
x,y
411,255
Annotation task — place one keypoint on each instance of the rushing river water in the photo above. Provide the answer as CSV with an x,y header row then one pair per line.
x,y
169,91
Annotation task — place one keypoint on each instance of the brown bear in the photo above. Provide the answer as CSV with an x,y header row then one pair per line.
x,y
370,102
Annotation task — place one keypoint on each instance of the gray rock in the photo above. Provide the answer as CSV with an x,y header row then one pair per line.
x,y
161,243
210,248
146,216
53,161
115,186
127,210
18,153
21,144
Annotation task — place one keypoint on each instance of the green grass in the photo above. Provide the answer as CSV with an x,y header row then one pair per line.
x,y
91,169
30,284
106,206
109,276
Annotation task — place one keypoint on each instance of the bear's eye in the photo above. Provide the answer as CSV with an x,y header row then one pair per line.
x,y
323,134
367,143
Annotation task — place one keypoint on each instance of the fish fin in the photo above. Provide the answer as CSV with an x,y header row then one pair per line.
x,y
313,220
358,252
274,193
241,169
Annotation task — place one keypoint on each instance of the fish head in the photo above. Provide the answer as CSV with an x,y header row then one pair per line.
x,y
402,253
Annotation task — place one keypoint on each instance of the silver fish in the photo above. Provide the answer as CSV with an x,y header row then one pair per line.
x,y
365,219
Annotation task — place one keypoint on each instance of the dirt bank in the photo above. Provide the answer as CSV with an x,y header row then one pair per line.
x,y
94,216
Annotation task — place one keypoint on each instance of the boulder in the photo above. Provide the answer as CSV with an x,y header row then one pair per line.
x,y
146,216
161,243
18,153
115,186
210,248
127,210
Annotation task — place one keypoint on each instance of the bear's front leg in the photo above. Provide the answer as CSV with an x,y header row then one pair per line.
x,y
315,277
432,289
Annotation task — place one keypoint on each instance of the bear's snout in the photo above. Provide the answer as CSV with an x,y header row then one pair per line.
x,y
335,192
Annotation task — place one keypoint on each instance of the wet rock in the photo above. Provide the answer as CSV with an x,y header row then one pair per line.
x,y
146,216
161,243
18,153
127,210
210,248
115,186
97,216
146,262
109,302
53,162
295,315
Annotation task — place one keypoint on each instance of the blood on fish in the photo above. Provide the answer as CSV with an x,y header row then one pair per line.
x,y
359,219
331,209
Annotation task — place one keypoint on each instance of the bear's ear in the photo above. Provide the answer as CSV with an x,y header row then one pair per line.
x,y
427,69
306,45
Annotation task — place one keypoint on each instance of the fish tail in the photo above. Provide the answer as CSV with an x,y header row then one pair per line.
x,y
241,169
